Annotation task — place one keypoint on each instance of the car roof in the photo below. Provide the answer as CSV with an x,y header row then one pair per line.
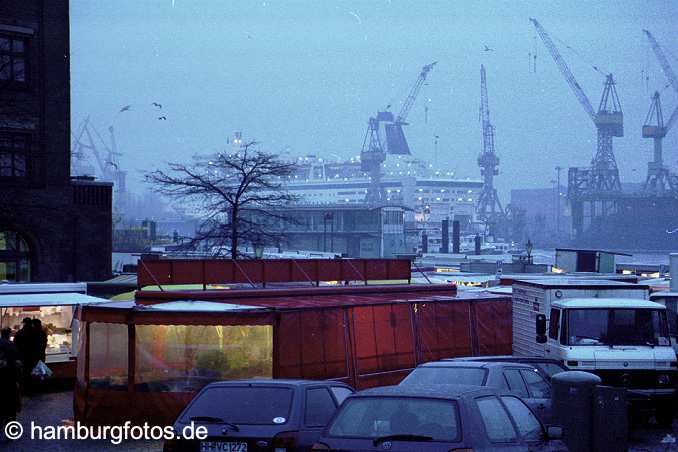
x,y
449,392
505,358
472,364
275,382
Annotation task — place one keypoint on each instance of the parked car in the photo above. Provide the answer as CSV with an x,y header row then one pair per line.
x,y
521,379
260,415
437,418
548,367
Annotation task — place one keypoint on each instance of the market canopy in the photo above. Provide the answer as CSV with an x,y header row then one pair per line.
x,y
47,299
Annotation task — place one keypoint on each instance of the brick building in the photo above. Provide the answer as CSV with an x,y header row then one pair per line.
x,y
52,227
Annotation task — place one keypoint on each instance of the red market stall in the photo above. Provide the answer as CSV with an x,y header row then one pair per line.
x,y
144,360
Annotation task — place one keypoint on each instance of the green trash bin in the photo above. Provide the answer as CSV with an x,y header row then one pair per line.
x,y
573,394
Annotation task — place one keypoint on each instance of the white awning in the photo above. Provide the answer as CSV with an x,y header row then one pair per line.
x,y
47,299
32,288
199,306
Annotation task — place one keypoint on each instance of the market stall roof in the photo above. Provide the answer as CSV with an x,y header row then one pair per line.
x,y
310,298
47,299
197,306
33,288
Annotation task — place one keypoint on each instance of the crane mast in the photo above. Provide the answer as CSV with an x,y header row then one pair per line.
x,y
373,153
602,177
659,179
489,207
668,72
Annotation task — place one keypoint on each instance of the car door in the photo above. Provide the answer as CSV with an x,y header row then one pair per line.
x,y
515,382
318,408
499,429
540,394
530,429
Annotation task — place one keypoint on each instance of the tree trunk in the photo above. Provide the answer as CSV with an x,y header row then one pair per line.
x,y
234,233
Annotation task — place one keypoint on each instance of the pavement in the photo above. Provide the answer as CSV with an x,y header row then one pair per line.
x,y
53,408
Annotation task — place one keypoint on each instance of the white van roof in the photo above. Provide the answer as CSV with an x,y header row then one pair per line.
x,y
610,303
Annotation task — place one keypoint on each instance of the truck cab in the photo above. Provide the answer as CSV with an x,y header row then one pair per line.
x,y
625,342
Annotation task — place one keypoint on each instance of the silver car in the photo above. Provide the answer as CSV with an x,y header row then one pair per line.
x,y
521,379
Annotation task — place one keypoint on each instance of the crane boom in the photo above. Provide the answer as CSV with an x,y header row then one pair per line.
x,y
565,70
663,62
487,128
668,72
484,106
414,92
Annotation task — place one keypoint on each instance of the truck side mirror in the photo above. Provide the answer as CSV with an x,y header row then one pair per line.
x,y
540,325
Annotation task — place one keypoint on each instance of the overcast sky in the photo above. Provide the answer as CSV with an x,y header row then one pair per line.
x,y
304,76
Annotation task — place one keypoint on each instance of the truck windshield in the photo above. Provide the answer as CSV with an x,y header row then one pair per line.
x,y
617,327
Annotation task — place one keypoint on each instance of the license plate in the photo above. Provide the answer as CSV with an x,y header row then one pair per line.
x,y
221,446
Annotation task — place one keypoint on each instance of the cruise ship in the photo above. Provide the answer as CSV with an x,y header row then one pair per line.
x,y
429,194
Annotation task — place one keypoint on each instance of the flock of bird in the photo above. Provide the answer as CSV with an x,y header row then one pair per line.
x,y
155,104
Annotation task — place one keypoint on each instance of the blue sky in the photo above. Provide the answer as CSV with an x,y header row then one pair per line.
x,y
304,76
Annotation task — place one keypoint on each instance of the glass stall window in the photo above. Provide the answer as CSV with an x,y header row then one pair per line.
x,y
108,358
56,321
184,358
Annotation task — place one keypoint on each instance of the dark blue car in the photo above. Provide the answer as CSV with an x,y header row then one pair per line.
x,y
437,418
260,415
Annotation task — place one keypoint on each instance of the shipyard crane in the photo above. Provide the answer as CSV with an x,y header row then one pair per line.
x,y
659,178
489,208
373,153
603,176
108,163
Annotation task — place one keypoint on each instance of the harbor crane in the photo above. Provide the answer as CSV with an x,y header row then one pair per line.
x,y
373,153
659,178
597,186
603,175
489,207
85,141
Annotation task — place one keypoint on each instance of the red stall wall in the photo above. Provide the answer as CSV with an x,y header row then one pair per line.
x,y
311,344
443,330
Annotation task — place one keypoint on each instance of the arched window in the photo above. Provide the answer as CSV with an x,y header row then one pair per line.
x,y
15,262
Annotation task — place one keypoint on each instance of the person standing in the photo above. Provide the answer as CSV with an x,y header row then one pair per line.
x,y
40,341
24,342
9,375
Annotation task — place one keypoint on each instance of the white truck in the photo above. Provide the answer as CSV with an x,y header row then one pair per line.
x,y
608,328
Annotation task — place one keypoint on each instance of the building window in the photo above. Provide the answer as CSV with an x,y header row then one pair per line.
x,y
15,262
13,154
13,64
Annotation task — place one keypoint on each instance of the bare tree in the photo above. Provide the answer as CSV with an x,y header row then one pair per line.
x,y
237,196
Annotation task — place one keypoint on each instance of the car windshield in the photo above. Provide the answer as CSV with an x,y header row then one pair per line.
x,y
380,417
446,375
617,327
242,405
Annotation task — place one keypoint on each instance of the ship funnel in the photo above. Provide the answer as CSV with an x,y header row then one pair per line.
x,y
673,262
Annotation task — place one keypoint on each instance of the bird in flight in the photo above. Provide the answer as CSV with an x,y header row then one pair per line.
x,y
357,17
155,104
487,49
125,108
162,118
672,232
